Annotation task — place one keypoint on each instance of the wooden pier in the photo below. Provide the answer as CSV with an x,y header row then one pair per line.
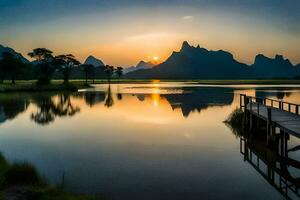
x,y
265,145
278,114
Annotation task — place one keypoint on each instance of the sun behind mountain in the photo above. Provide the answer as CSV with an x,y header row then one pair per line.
x,y
155,60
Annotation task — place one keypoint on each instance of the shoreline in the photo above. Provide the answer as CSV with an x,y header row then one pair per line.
x,y
31,86
75,85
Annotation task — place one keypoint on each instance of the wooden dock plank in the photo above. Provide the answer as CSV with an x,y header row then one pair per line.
x,y
288,121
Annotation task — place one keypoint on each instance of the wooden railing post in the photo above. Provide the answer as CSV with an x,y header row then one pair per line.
x,y
279,105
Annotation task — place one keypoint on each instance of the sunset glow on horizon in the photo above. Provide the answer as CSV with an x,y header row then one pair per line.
x,y
122,33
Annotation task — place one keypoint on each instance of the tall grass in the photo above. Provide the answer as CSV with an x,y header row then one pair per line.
x,y
235,122
25,178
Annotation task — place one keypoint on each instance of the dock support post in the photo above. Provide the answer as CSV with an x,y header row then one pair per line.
x,y
246,101
269,124
251,117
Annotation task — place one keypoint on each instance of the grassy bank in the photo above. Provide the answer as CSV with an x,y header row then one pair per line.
x,y
32,86
22,181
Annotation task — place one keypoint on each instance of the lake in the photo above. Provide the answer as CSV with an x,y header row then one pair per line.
x,y
160,140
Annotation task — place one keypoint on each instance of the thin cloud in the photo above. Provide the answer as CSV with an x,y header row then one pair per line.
x,y
157,35
187,17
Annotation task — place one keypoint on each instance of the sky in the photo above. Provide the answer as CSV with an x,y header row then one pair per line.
x,y
123,32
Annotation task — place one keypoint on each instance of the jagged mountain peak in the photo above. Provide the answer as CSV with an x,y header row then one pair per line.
x,y
185,46
279,57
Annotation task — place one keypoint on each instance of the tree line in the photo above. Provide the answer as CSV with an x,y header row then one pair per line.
x,y
45,64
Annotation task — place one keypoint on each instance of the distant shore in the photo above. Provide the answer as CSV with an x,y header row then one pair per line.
x,y
75,85
116,81
208,82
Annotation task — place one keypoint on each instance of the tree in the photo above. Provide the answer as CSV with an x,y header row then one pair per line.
x,y
88,70
45,65
11,65
119,72
66,63
109,70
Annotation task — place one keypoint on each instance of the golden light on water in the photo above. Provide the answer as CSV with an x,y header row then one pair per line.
x,y
155,99
155,96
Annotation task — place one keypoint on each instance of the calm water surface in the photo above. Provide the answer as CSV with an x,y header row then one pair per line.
x,y
139,141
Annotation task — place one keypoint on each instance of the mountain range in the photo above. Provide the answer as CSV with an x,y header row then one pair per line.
x,y
199,63
195,63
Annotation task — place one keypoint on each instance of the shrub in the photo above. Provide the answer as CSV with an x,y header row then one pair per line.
x,y
19,174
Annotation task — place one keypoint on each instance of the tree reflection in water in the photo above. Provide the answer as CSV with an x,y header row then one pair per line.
x,y
50,107
109,101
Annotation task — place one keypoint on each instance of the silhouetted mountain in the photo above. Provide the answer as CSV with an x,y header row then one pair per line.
x,y
277,67
140,66
91,60
196,63
199,63
12,51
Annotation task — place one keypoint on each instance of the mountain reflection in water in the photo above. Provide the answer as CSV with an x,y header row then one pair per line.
x,y
187,99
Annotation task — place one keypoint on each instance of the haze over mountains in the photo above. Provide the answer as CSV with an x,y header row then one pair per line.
x,y
199,63
140,66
